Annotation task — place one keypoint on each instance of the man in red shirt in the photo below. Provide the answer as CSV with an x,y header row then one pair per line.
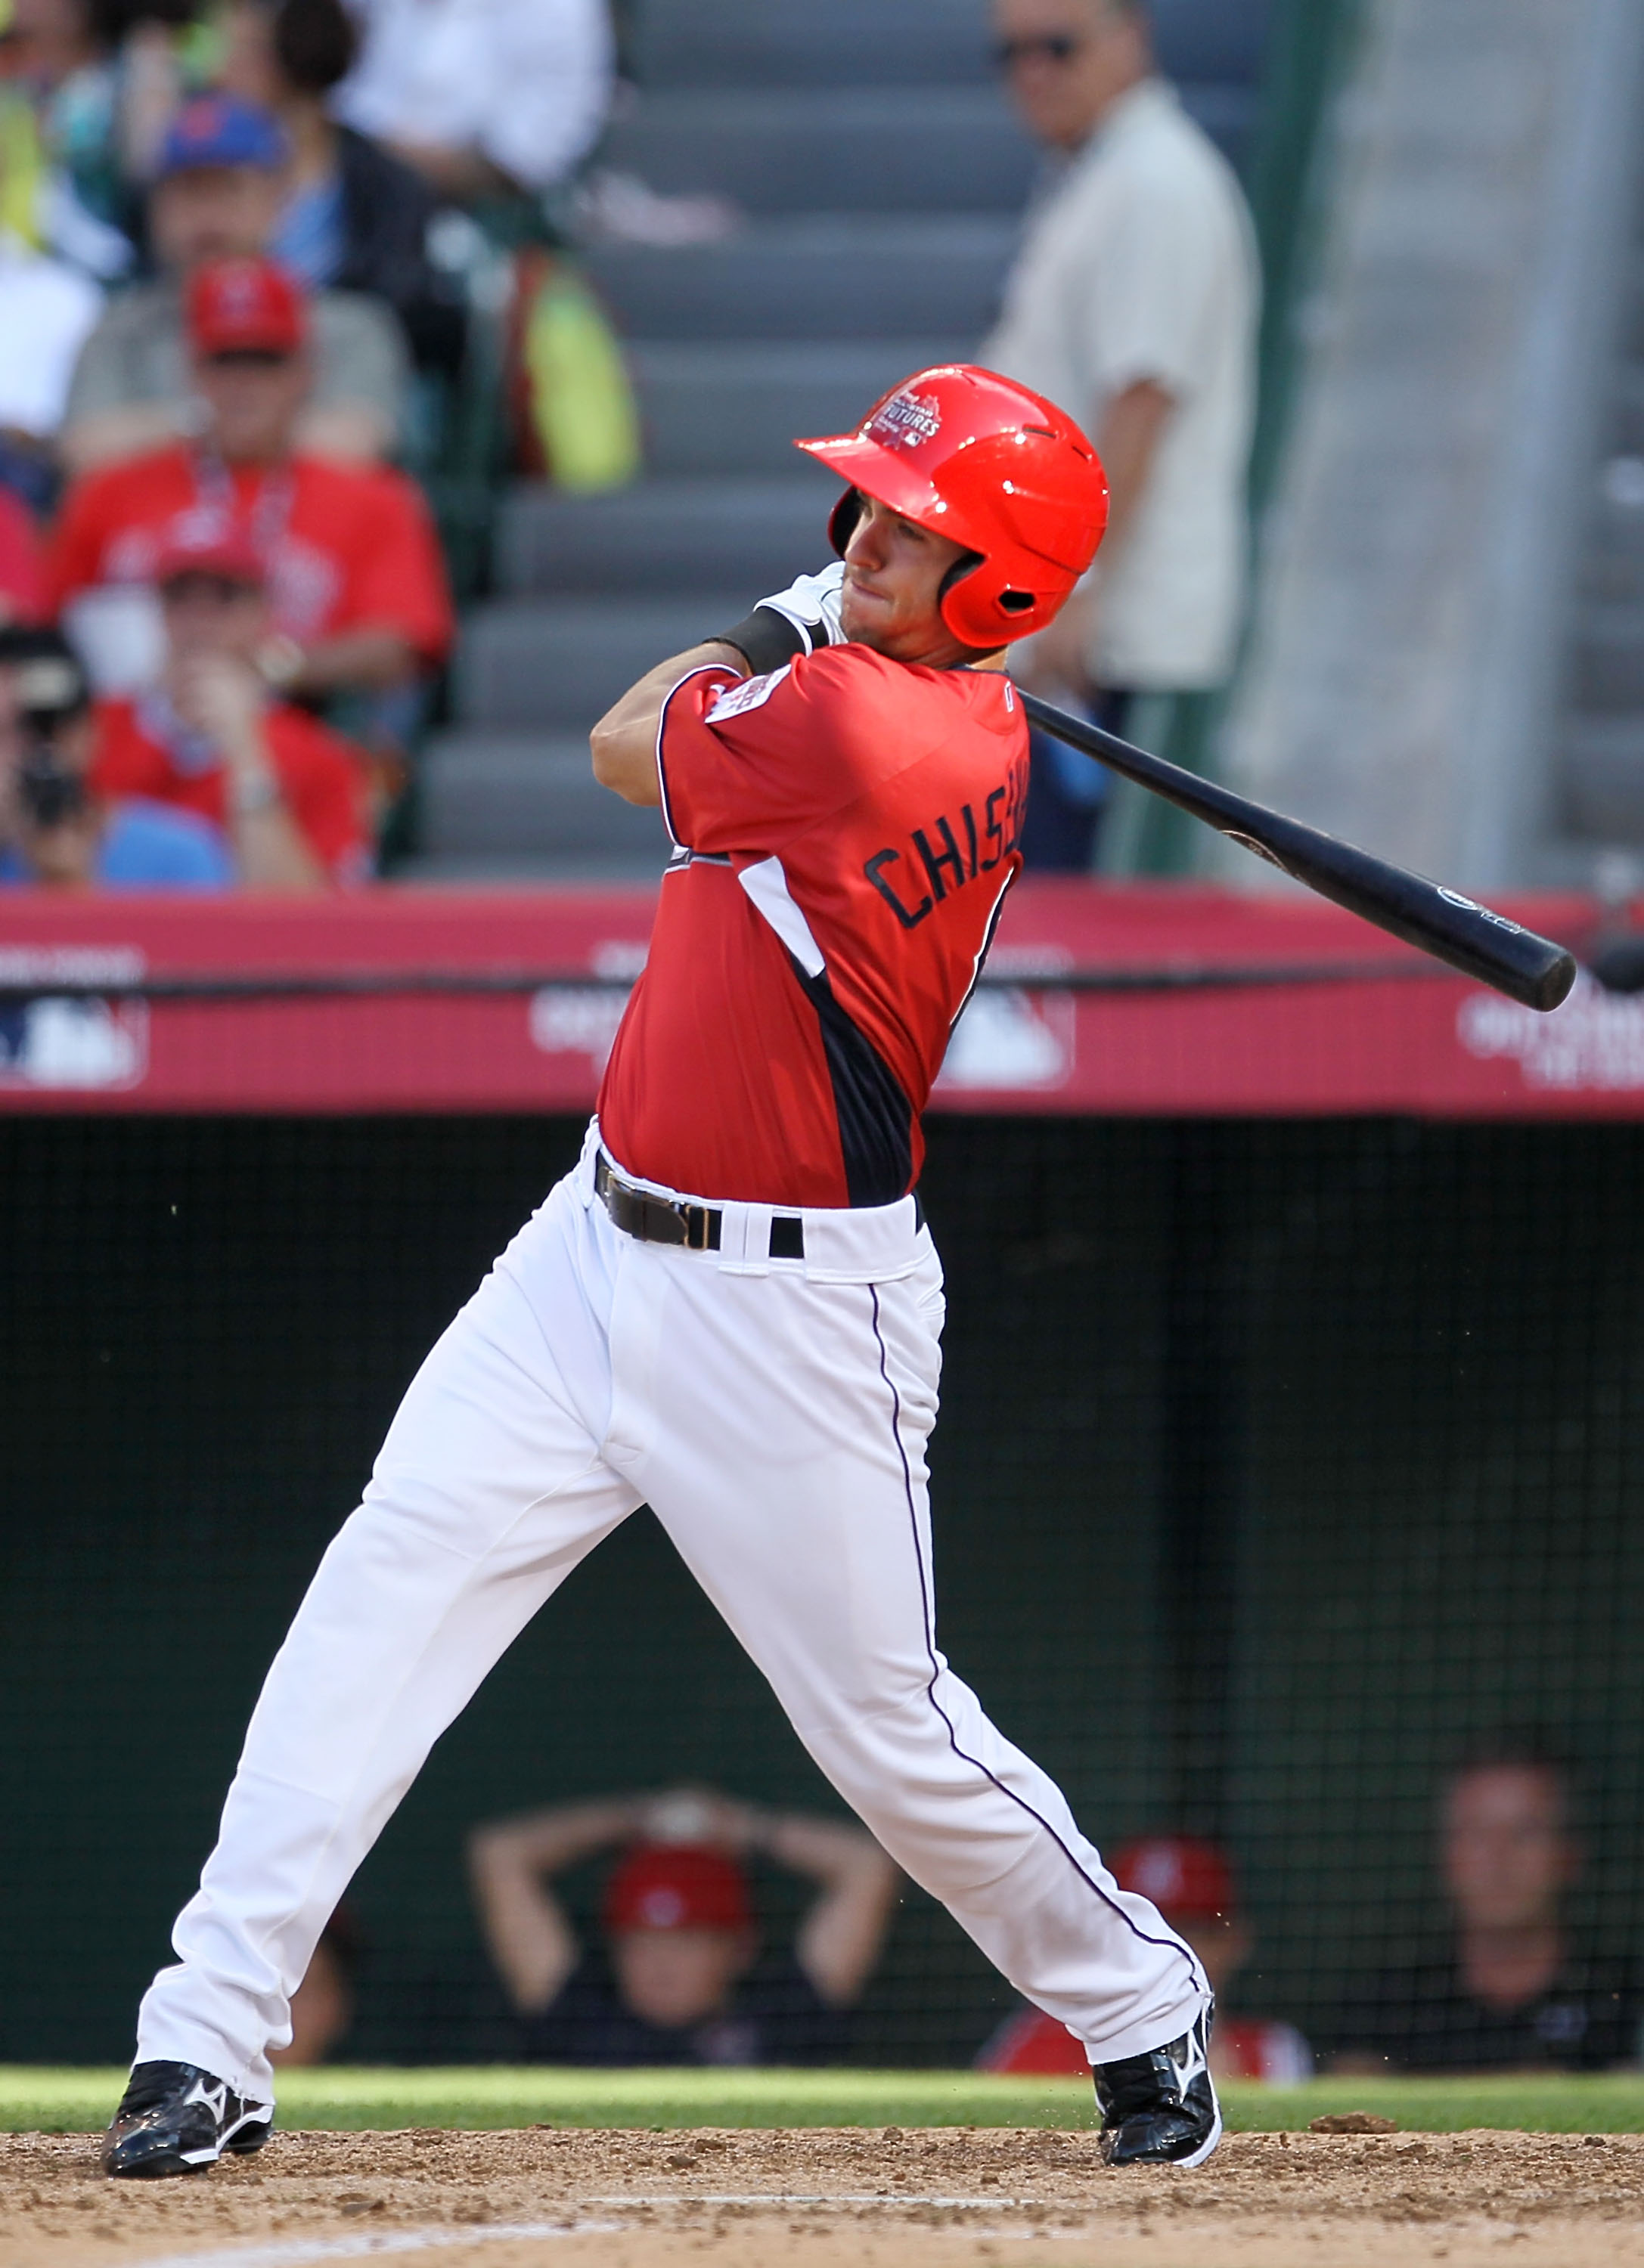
x,y
731,1310
20,580
356,585
288,795
1191,1882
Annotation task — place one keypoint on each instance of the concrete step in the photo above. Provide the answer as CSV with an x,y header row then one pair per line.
x,y
519,801
1625,429
833,277
666,536
798,43
1600,777
872,149
553,665
878,150
1607,659
737,409
906,42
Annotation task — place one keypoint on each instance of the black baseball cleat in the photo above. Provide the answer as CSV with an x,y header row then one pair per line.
x,y
175,2118
1161,2108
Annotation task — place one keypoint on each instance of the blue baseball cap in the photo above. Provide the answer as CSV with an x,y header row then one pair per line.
x,y
219,129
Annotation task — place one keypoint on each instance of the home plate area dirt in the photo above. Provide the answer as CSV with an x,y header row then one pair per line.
x,y
553,2199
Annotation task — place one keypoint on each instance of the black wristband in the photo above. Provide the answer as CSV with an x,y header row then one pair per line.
x,y
766,640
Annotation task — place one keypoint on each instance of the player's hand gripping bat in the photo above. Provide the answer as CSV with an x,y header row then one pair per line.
x,y
1527,968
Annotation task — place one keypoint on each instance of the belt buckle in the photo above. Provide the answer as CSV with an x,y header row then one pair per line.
x,y
696,1221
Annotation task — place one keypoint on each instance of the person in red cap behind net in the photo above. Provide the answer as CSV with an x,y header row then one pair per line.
x,y
288,795
1191,1882
730,1308
357,590
675,1980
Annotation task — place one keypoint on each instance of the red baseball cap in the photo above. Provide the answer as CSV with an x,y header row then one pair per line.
x,y
197,545
246,305
1187,1879
677,1885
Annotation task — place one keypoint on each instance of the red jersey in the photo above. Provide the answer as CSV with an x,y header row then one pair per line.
x,y
140,752
22,588
347,548
1244,2047
847,828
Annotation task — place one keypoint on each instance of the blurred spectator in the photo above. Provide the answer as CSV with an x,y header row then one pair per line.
x,y
22,583
675,1983
484,98
1513,1989
1192,1885
323,2006
354,216
1133,306
57,828
61,102
356,584
287,795
50,310
217,196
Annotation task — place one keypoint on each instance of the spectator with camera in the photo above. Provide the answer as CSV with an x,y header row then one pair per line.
x,y
58,828
677,1980
218,193
356,588
286,794
355,218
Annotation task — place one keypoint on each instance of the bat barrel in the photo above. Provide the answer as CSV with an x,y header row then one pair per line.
x,y
1531,969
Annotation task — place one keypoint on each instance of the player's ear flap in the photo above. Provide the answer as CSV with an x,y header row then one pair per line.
x,y
843,520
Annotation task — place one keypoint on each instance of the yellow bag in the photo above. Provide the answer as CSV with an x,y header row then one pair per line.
x,y
22,170
581,404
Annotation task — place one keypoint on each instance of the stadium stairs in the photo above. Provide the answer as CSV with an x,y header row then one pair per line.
x,y
882,179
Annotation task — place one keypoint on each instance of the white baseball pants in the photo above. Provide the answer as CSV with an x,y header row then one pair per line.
x,y
774,1413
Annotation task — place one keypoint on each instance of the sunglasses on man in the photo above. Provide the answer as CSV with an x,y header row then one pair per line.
x,y
1044,47
248,358
202,582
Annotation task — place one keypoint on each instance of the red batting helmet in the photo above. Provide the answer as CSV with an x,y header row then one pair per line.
x,y
978,459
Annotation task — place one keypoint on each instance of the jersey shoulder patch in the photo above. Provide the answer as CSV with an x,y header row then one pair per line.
x,y
752,693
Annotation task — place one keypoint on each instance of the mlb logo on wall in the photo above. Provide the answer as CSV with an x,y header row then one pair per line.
x,y
65,1043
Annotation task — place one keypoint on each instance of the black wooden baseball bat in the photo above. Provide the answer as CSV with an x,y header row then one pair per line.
x,y
1527,968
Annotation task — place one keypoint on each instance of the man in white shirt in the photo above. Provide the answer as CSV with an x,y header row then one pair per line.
x,y
484,98
1132,305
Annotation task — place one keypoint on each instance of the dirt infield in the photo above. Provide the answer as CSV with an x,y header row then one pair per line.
x,y
835,2199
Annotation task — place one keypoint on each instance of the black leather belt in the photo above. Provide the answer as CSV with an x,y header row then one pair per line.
x,y
665,1220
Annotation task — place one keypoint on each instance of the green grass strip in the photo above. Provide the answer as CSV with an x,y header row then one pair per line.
x,y
35,2099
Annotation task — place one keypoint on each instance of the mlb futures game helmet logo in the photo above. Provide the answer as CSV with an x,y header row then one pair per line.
x,y
240,293
906,420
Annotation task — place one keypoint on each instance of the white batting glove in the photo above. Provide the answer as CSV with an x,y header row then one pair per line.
x,y
812,605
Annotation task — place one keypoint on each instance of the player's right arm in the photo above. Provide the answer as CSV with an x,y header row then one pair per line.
x,y
511,1863
624,741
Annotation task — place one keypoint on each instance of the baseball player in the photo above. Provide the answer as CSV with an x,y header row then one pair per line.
x,y
731,1310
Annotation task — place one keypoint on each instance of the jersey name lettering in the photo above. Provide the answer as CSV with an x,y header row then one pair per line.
x,y
944,855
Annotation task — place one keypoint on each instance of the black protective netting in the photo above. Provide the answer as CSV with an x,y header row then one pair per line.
x,y
1278,1464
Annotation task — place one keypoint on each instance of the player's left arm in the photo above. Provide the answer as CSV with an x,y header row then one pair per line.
x,y
624,741
796,621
